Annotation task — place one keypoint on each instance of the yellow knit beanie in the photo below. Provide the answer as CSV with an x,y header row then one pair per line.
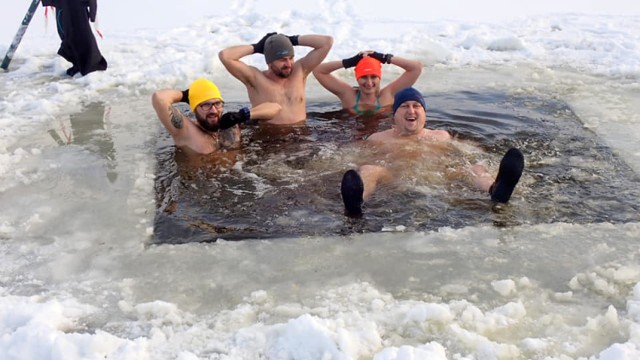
x,y
202,90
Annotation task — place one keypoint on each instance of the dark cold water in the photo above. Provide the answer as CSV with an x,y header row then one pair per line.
x,y
285,181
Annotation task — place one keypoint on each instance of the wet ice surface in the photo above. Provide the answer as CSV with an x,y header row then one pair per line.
x,y
79,256
79,278
286,180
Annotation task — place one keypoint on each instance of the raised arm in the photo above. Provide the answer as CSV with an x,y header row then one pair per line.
x,y
230,58
265,111
172,119
321,45
413,69
336,86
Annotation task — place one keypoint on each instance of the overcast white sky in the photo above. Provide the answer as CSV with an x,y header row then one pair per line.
x,y
119,15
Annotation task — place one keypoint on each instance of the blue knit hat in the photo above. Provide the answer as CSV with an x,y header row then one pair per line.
x,y
407,94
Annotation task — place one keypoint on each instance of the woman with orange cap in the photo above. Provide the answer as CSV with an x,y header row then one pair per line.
x,y
367,98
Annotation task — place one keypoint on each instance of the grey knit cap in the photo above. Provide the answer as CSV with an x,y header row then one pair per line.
x,y
276,47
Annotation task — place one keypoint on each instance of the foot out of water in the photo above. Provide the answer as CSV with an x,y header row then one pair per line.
x,y
286,180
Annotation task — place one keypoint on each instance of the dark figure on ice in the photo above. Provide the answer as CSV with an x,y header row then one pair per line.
x,y
78,45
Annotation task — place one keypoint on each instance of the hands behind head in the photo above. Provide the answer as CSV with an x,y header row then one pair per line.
x,y
353,61
293,39
258,48
229,119
185,96
383,58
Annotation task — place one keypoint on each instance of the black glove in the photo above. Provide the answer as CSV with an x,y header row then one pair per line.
x,y
230,119
294,40
383,58
185,96
352,61
259,46
93,10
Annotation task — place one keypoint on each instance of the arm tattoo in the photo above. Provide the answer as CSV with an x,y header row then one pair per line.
x,y
176,117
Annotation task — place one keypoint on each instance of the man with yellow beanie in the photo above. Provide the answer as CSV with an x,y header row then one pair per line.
x,y
284,80
213,129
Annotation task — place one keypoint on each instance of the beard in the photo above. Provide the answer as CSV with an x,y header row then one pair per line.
x,y
282,72
208,126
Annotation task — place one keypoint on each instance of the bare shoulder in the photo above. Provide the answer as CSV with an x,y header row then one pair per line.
x,y
386,96
442,135
381,136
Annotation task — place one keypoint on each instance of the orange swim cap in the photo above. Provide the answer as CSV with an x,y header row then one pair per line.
x,y
368,66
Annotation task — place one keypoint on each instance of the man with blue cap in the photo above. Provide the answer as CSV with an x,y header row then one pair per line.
x,y
409,119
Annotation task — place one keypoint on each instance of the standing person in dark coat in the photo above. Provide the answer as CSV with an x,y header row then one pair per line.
x,y
78,45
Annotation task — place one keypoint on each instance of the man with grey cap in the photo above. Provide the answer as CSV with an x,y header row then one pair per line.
x,y
409,145
284,80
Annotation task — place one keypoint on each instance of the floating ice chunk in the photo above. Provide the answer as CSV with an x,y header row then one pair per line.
x,y
430,312
432,351
506,44
535,344
504,287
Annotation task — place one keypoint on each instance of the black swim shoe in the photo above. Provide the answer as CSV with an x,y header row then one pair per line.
x,y
352,189
509,174
72,70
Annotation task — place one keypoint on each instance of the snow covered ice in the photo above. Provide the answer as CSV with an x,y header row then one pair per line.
x,y
79,281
